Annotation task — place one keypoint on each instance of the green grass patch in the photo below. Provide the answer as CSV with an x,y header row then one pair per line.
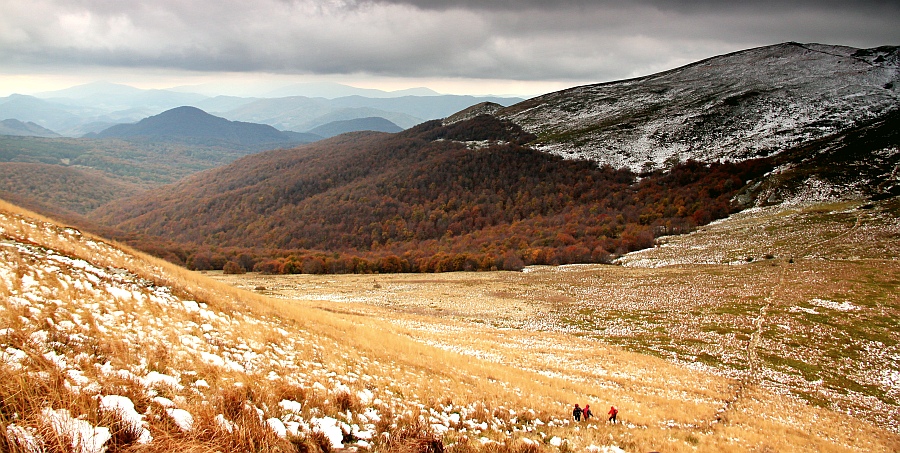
x,y
792,366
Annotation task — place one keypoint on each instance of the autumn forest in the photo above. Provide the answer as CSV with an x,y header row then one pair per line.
x,y
434,198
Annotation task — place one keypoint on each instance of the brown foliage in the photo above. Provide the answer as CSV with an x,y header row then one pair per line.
x,y
410,203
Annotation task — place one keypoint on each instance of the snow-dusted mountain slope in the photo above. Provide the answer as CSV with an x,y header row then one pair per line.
x,y
731,107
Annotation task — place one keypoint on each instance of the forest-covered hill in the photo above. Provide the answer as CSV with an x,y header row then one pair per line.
x,y
432,198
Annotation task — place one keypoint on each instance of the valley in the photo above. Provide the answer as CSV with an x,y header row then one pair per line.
x,y
801,301
714,249
105,348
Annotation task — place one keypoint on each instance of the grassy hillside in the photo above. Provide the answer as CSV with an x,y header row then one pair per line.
x,y
107,348
801,301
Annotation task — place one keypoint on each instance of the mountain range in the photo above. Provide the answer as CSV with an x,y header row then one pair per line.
x,y
333,128
581,175
91,108
664,153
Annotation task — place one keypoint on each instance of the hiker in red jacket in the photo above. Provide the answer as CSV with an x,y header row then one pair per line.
x,y
612,413
587,412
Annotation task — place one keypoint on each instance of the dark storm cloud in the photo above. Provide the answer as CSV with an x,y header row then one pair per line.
x,y
681,5
523,40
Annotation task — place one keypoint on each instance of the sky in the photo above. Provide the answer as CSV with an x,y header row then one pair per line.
x,y
502,47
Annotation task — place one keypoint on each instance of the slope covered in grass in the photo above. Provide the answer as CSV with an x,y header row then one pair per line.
x,y
105,349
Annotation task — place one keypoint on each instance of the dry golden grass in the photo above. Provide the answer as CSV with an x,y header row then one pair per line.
x,y
438,379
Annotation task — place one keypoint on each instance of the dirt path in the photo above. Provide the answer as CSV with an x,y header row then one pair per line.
x,y
753,376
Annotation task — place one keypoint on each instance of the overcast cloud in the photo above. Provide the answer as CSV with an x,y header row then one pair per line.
x,y
528,40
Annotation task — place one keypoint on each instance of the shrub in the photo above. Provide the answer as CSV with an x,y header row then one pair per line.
x,y
270,267
512,262
232,267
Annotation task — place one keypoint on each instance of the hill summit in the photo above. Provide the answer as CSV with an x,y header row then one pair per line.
x,y
193,124
374,123
29,129
747,104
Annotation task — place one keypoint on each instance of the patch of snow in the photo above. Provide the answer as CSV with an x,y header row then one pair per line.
x,y
154,379
163,401
124,407
212,359
278,427
290,406
839,306
13,357
182,418
83,436
796,309
365,396
331,429
224,424
24,438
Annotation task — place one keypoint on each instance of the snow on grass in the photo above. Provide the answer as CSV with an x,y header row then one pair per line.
x,y
25,438
82,435
682,114
155,379
331,428
173,353
291,406
182,418
832,305
278,427
124,408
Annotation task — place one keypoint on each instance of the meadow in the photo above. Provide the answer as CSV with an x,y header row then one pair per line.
x,y
106,349
801,301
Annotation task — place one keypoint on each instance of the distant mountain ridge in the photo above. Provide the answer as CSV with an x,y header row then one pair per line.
x,y
191,123
330,90
299,113
376,124
737,106
117,97
82,109
16,127
55,117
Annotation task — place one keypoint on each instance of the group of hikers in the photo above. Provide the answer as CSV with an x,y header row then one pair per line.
x,y
578,413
